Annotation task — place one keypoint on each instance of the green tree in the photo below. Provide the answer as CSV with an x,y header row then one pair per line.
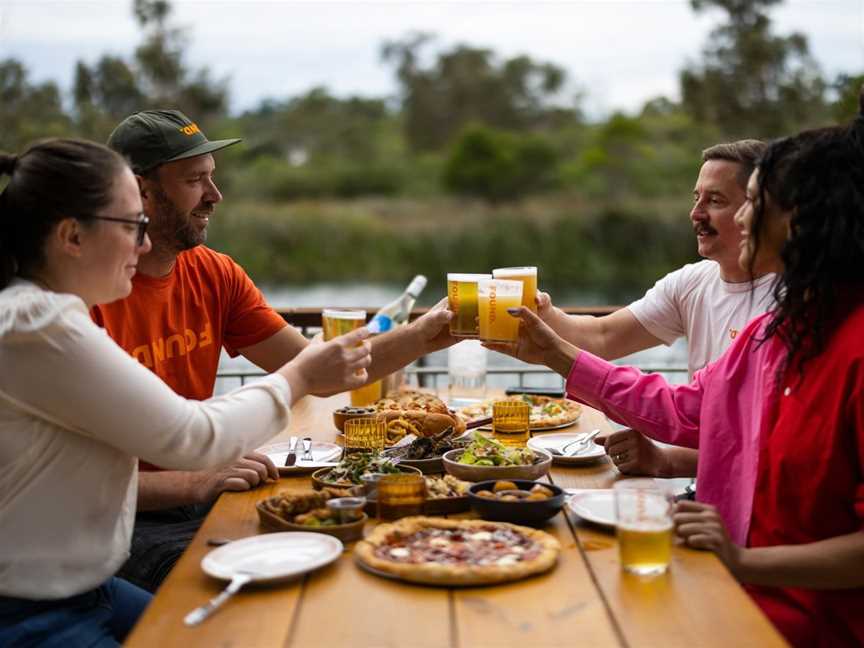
x,y
750,82
28,111
470,85
847,87
497,165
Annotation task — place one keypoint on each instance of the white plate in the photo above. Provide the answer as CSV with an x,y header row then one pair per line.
x,y
273,556
323,455
546,441
597,506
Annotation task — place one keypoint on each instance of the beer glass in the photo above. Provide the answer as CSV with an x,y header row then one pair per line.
x,y
528,276
365,432
510,422
644,520
462,297
400,495
494,297
337,322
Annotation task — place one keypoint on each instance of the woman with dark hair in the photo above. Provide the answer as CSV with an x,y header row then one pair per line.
x,y
76,411
779,418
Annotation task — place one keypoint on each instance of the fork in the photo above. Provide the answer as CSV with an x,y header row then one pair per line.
x,y
580,444
238,580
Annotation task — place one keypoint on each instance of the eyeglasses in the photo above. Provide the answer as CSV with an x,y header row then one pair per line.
x,y
141,222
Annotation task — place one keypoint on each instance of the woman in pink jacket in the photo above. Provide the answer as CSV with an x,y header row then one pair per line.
x,y
779,418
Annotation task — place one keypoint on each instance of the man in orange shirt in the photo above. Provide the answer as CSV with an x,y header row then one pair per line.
x,y
187,303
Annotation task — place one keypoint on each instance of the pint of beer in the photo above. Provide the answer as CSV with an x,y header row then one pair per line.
x,y
462,297
339,322
494,297
644,526
528,276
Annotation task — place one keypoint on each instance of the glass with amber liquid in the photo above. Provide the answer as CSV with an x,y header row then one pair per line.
x,y
401,495
644,526
510,422
365,433
528,276
336,322
462,298
494,297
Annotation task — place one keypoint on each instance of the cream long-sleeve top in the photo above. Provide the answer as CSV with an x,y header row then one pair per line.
x,y
75,414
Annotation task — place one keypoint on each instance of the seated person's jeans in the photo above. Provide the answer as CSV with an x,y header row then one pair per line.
x,y
158,540
101,618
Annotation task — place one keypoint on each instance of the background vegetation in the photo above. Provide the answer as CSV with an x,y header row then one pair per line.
x,y
479,161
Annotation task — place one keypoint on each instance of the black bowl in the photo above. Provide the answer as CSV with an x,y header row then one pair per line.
x,y
520,512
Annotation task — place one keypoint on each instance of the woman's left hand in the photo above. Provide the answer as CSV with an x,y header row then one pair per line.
x,y
701,527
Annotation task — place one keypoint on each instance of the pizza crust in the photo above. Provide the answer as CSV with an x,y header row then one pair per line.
x,y
432,573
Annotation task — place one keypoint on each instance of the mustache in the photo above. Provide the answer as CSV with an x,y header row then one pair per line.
x,y
703,228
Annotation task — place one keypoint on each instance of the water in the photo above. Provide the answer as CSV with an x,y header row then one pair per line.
x,y
376,295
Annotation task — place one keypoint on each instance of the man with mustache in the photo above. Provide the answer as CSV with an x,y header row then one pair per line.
x,y
707,302
187,303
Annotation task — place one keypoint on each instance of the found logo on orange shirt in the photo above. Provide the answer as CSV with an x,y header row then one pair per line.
x,y
172,346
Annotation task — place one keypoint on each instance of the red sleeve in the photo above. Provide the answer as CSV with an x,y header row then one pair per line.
x,y
856,417
249,319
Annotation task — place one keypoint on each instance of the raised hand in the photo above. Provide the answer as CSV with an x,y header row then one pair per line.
x,y
538,343
330,367
433,328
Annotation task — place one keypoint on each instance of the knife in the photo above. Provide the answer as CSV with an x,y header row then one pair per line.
x,y
291,459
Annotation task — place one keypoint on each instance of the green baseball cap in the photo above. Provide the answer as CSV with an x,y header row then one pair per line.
x,y
152,137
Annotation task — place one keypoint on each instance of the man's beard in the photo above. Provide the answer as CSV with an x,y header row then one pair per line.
x,y
171,228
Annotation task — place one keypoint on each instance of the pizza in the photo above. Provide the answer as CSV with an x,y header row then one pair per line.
x,y
411,400
546,412
442,551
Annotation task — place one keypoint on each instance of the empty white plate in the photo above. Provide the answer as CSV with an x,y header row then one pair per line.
x,y
589,454
597,506
272,556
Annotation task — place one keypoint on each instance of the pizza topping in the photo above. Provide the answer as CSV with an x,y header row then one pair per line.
x,y
545,411
487,546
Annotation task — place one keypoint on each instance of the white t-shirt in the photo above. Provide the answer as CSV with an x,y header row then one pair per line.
x,y
75,412
696,303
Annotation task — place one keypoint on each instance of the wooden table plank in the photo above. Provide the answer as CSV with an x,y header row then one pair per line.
x,y
550,610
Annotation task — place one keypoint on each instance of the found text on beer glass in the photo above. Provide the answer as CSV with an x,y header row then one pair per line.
x,y
462,298
643,514
510,421
528,276
494,297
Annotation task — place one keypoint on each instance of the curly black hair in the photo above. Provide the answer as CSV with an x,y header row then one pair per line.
x,y
817,176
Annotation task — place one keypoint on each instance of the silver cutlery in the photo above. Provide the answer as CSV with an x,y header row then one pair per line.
x,y
291,459
197,615
307,449
578,445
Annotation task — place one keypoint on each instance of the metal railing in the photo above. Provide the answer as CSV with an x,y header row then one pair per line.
x,y
308,321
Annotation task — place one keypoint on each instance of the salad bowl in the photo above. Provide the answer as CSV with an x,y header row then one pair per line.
x,y
488,459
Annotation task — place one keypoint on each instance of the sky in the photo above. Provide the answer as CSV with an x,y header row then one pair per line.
x,y
620,53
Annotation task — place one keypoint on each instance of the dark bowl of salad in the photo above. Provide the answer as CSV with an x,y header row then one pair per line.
x,y
349,472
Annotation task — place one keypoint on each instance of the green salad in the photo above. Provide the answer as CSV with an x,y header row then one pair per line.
x,y
484,451
357,464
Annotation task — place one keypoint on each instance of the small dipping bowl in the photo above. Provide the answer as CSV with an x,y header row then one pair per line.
x,y
347,509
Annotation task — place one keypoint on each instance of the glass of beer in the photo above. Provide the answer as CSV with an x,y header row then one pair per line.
x,y
494,297
366,395
336,322
462,297
528,276
644,521
400,495
510,421
365,432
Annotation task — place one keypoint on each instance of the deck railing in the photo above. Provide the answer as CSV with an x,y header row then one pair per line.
x,y
308,321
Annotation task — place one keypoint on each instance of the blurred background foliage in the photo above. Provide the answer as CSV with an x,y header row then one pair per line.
x,y
479,161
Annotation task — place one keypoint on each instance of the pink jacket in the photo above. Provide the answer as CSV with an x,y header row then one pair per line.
x,y
720,412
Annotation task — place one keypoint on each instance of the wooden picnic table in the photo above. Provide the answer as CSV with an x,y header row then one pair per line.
x,y
586,600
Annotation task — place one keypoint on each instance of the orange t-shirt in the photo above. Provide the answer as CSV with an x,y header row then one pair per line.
x,y
177,325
